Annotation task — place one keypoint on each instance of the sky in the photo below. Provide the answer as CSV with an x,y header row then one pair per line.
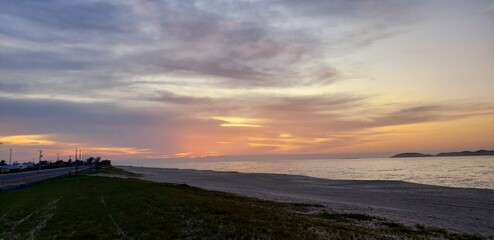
x,y
164,79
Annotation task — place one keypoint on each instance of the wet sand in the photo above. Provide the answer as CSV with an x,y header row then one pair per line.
x,y
456,209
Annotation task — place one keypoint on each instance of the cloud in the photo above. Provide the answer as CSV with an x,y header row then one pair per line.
x,y
96,123
164,96
55,20
319,124
11,87
490,8
26,140
326,103
46,61
235,45
421,113
202,125
164,77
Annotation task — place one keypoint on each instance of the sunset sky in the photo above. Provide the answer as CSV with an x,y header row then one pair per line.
x,y
165,79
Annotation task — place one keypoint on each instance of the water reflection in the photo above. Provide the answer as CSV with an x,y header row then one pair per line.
x,y
472,172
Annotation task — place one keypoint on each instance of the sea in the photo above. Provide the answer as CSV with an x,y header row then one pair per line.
x,y
462,172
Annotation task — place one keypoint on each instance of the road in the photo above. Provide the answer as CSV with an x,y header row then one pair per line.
x,y
14,179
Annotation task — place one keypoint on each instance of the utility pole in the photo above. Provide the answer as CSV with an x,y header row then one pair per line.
x,y
10,157
40,156
58,157
75,163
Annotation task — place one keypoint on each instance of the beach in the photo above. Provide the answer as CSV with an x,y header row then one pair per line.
x,y
455,209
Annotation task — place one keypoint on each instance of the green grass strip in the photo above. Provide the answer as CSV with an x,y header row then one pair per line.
x,y
94,207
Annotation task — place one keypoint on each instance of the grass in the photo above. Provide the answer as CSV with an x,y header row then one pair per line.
x,y
111,171
93,207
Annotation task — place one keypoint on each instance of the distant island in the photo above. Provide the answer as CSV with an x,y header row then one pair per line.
x,y
446,154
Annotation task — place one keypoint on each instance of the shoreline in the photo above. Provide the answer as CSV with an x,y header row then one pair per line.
x,y
309,176
455,209
458,172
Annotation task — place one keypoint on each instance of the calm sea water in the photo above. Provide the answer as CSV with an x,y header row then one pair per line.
x,y
471,172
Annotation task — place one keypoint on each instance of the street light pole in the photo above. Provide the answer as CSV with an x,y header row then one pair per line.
x,y
40,156
76,167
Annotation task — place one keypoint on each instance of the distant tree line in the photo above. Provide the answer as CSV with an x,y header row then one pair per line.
x,y
29,166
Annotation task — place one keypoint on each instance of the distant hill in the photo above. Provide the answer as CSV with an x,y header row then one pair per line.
x,y
404,155
446,154
467,153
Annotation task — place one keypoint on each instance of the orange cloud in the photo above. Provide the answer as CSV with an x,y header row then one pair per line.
x,y
27,140
119,150
239,122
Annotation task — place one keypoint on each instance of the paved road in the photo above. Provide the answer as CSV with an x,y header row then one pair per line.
x,y
13,179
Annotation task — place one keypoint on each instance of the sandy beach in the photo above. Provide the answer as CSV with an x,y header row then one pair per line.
x,y
456,209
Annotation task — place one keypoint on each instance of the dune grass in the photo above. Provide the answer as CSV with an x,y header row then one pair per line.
x,y
111,171
93,207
